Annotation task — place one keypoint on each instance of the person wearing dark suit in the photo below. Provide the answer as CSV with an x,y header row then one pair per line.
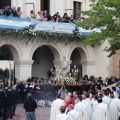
x,y
9,102
14,12
16,98
46,15
2,103
7,11
22,92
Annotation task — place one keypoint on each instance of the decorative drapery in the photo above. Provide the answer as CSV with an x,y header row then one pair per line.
x,y
6,65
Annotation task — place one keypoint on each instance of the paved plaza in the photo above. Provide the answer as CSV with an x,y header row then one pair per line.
x,y
42,113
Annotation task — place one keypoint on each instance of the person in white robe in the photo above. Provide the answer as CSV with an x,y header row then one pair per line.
x,y
106,99
62,116
55,107
94,102
80,108
114,90
114,108
73,114
101,111
88,107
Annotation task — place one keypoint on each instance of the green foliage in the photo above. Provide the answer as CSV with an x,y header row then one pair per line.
x,y
104,14
29,35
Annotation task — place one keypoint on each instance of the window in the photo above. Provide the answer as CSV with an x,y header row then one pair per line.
x,y
5,3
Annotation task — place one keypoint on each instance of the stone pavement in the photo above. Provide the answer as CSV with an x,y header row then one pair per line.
x,y
42,113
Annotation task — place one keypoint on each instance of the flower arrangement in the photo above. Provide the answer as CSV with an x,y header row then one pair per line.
x,y
68,80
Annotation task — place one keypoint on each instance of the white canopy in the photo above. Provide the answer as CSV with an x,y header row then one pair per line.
x,y
7,65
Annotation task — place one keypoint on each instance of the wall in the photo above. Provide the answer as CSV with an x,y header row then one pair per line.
x,y
55,6
101,61
26,8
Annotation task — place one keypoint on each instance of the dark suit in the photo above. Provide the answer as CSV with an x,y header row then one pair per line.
x,y
14,12
9,103
22,92
2,104
15,101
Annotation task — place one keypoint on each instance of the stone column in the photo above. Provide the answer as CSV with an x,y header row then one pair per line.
x,y
58,64
88,68
23,69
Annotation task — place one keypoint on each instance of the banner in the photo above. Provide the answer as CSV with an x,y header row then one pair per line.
x,y
14,23
56,27
88,32
64,27
44,26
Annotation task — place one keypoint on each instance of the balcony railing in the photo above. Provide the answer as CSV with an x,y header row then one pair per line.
x,y
45,26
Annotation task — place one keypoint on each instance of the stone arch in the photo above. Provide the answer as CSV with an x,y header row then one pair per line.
x,y
82,51
54,48
14,48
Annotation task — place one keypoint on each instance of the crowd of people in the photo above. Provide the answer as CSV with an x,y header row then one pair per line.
x,y
88,91
13,12
41,15
9,97
103,105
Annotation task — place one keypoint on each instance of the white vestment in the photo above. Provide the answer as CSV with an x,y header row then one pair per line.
x,y
55,108
114,109
62,117
94,104
73,115
88,109
106,100
80,108
101,112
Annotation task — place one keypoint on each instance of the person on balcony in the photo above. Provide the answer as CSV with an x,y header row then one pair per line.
x,y
65,18
14,12
7,11
19,13
32,14
46,15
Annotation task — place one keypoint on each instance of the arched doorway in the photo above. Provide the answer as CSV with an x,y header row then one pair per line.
x,y
4,3
9,53
77,56
43,60
45,5
5,54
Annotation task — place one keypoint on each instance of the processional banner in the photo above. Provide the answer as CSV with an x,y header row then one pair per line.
x,y
56,27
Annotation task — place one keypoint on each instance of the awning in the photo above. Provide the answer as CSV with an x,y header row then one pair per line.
x,y
6,65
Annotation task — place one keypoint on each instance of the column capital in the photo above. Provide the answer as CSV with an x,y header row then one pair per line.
x,y
23,62
87,62
59,62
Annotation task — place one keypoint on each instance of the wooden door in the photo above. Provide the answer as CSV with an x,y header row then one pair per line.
x,y
77,7
45,5
5,3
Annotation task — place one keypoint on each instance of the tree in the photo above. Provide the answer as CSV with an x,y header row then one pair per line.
x,y
106,15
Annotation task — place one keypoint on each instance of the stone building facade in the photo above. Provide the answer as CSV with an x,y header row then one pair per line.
x,y
36,59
